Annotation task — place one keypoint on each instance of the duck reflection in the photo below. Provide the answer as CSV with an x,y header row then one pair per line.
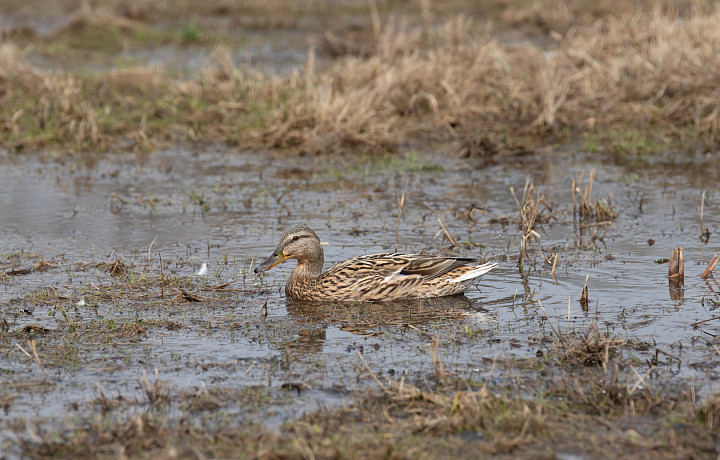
x,y
368,319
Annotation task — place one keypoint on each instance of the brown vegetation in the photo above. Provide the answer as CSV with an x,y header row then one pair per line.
x,y
607,409
633,83
529,206
585,207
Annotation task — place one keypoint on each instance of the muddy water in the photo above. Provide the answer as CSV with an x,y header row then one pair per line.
x,y
228,209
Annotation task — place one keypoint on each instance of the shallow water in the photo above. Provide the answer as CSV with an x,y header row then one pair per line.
x,y
194,208
278,53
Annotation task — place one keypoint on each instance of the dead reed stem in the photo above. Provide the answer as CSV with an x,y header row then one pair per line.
x,y
697,323
676,266
148,252
529,209
587,209
367,368
557,332
584,296
453,241
33,348
711,266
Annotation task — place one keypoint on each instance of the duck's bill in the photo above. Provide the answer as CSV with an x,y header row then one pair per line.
x,y
276,258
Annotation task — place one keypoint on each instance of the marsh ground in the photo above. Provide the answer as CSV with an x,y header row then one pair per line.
x,y
120,179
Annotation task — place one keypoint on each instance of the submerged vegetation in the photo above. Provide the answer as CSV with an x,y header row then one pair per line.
x,y
634,80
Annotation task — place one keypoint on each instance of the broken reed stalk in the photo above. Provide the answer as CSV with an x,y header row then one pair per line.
x,y
584,296
557,332
372,374
31,343
34,356
445,231
711,266
697,323
676,266
264,308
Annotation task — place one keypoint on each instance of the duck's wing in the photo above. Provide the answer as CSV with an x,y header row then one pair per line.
x,y
430,267
391,276
404,264
393,264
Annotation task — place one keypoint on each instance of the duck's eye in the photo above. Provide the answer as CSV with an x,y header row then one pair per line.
x,y
296,237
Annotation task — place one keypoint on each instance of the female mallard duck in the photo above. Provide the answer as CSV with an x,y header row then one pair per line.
x,y
374,277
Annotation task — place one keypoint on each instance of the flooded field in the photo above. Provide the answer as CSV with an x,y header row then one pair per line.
x,y
102,308
151,153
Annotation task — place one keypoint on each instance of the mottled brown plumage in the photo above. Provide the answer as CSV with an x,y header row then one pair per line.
x,y
375,277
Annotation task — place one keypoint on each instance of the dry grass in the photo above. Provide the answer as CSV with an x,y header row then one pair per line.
x,y
533,208
637,82
635,72
589,415
591,215
157,392
709,411
585,207
588,348
116,268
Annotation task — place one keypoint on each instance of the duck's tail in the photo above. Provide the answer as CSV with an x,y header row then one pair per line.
x,y
476,272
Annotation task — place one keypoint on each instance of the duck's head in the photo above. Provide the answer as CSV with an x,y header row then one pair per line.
x,y
299,243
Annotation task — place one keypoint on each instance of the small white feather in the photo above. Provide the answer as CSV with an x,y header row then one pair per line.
x,y
392,275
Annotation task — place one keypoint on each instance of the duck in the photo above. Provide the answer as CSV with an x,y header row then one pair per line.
x,y
372,278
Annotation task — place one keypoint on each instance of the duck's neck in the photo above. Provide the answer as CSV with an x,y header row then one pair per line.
x,y
309,267
304,277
